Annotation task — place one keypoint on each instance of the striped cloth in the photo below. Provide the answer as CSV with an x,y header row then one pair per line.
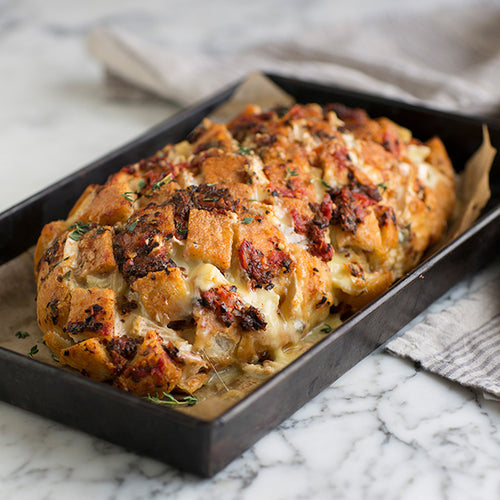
x,y
461,343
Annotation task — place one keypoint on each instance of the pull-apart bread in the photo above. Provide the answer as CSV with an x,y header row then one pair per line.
x,y
228,248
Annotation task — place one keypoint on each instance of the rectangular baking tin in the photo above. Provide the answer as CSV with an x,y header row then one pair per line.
x,y
205,447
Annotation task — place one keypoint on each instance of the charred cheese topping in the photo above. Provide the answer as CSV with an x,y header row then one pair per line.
x,y
231,247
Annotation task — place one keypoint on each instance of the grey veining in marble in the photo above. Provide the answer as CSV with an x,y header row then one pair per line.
x,y
364,437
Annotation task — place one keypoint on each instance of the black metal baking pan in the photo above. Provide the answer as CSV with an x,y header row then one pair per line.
x,y
206,446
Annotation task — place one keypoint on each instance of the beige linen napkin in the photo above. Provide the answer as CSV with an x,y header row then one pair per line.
x,y
445,58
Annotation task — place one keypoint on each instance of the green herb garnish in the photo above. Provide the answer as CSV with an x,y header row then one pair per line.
x,y
382,186
325,184
244,151
291,173
65,276
247,220
130,227
22,335
79,229
55,358
327,329
33,351
168,400
128,196
166,180
142,183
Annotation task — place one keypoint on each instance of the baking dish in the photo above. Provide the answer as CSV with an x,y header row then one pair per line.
x,y
205,445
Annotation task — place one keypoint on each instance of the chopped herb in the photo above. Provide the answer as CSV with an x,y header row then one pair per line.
x,y
55,358
325,184
22,335
244,151
57,263
130,227
142,183
79,229
209,199
168,400
66,275
382,186
128,195
166,180
252,199
291,173
326,329
183,230
247,220
405,233
33,351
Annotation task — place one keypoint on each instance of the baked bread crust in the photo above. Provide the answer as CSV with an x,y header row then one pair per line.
x,y
227,248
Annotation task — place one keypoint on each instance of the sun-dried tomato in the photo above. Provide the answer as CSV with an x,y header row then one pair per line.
x,y
229,308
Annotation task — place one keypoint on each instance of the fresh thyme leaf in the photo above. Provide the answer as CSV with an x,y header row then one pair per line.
x,y
33,351
55,358
183,230
190,400
170,401
142,183
158,184
244,151
66,275
79,229
325,184
326,329
128,195
209,199
291,173
130,227
404,233
247,220
382,186
21,335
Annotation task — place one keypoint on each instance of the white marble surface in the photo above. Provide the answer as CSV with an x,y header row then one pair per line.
x,y
384,430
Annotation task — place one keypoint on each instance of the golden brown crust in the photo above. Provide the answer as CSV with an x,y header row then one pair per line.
x,y
227,248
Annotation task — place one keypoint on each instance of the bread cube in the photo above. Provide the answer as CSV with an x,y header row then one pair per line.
x,y
165,295
92,313
152,370
210,237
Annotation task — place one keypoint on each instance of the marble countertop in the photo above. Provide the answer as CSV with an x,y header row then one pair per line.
x,y
384,430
